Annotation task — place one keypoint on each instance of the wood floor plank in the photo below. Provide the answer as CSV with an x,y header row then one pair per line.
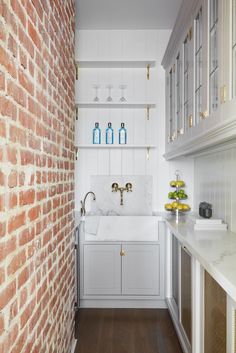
x,y
126,331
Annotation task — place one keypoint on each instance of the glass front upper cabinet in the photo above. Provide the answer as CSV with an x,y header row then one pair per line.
x,y
198,53
214,55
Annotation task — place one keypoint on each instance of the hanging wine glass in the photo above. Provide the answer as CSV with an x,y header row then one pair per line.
x,y
122,88
109,98
96,87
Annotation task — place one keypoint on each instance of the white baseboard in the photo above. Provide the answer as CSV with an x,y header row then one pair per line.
x,y
132,304
74,343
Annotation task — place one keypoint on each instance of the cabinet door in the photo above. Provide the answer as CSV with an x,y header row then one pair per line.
x,y
201,95
186,293
102,269
140,269
215,316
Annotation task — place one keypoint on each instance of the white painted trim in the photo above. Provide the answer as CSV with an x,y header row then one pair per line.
x,y
228,145
231,308
74,344
184,19
178,327
103,146
123,303
219,134
124,64
168,288
116,105
197,318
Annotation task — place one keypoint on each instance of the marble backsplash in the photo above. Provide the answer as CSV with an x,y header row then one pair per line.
x,y
137,202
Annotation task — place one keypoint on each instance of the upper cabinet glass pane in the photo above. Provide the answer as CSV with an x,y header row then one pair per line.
x,y
214,53
198,66
179,95
213,12
186,84
171,104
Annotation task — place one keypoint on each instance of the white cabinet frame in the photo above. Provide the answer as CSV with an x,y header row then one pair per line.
x,y
231,325
197,304
197,299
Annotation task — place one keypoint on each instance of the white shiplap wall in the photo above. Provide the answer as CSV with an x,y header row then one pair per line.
x,y
125,45
215,178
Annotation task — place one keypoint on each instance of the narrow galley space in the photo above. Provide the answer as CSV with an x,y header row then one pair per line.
x,y
117,173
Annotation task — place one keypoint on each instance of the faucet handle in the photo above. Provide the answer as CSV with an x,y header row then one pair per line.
x,y
128,187
114,187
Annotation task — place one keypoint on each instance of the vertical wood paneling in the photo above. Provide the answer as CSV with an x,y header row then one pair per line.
x,y
215,176
115,162
127,166
119,45
140,159
103,162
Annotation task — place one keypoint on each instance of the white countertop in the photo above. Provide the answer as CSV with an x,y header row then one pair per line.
x,y
215,250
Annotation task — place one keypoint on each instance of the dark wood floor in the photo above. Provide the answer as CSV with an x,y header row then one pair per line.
x,y
125,331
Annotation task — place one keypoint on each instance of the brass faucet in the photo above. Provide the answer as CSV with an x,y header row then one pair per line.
x,y
115,187
83,210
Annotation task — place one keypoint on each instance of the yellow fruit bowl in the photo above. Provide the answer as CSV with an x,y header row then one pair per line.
x,y
174,206
177,184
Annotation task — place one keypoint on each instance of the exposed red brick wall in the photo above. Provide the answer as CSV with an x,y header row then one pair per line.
x,y
36,175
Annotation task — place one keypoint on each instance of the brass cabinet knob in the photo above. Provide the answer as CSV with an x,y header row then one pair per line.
x,y
122,253
204,114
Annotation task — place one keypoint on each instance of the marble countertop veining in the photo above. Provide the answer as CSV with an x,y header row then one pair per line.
x,y
215,250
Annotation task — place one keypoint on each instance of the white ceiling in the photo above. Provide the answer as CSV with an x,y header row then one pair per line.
x,y
126,14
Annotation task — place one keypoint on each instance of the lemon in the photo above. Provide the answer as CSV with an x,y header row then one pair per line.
x,y
174,205
180,183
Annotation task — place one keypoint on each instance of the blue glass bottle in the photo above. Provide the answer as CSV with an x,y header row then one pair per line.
x,y
96,134
122,135
109,135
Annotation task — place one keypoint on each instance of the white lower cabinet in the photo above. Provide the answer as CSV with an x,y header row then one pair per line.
x,y
102,269
121,269
203,314
140,269
180,290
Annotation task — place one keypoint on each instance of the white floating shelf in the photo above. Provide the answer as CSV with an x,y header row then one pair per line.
x,y
116,64
116,146
121,105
